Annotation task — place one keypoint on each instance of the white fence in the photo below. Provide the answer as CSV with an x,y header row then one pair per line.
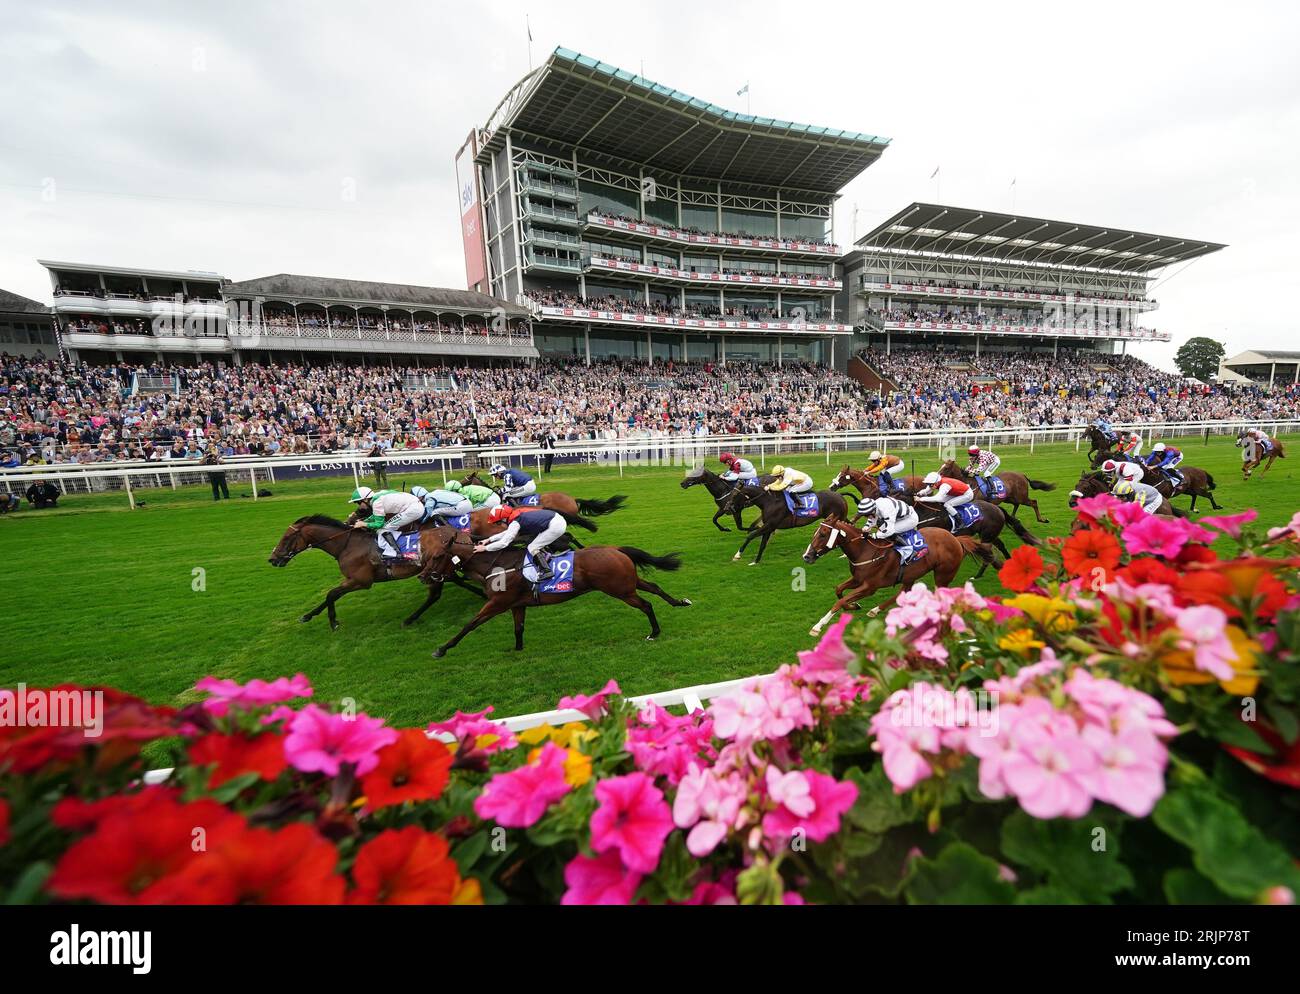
x,y
623,453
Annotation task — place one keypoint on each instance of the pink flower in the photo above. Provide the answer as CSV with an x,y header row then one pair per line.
x,y
770,708
320,742
1162,536
1130,769
1204,635
708,806
254,694
632,818
1125,514
1099,506
1291,528
1231,523
519,798
594,706
666,745
1047,770
711,892
602,880
828,663
467,729
815,805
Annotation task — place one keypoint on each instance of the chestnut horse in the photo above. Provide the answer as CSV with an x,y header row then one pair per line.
x,y
610,570
1196,482
874,564
774,515
720,490
869,486
1254,454
1018,487
557,501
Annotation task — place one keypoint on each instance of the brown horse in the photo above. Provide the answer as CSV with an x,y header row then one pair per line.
x,y
1097,482
557,501
874,565
775,516
358,558
869,486
720,490
610,570
1254,454
1018,487
1196,482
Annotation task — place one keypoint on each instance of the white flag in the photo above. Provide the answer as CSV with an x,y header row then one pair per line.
x,y
743,90
935,173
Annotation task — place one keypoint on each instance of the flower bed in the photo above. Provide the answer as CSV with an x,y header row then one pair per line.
x,y
1120,726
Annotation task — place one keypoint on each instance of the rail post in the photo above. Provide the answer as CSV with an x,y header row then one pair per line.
x,y
252,478
126,478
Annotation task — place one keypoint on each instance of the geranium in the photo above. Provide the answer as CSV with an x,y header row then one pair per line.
x,y
414,768
632,818
1022,570
807,801
1091,553
405,866
709,806
599,880
594,706
519,798
254,694
1205,636
768,708
321,742
1047,768
235,755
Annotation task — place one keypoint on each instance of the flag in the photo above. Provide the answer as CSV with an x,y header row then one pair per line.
x,y
529,24
743,90
1013,181
935,173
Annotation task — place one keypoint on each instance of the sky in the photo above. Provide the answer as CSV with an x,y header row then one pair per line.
x,y
318,138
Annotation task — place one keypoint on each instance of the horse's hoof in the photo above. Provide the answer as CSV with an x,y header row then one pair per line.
x,y
651,638
736,558
874,611
814,631
334,626
754,563
408,622
686,602
439,653
305,618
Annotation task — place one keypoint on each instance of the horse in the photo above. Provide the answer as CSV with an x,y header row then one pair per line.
x,y
874,565
1253,454
774,515
869,486
613,571
1099,442
480,526
1096,482
557,501
1018,487
1196,482
358,558
987,530
720,490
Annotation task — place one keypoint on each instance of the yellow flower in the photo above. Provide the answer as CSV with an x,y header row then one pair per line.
x,y
574,733
1052,613
1021,641
1180,667
577,766
469,892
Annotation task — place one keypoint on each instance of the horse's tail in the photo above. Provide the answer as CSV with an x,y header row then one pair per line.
x,y
1178,512
982,551
1040,485
578,520
595,508
643,559
1022,533
1209,482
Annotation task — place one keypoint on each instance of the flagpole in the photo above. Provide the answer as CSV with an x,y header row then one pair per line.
x,y
529,27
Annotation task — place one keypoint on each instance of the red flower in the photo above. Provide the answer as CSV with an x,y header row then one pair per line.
x,y
235,755
414,768
1090,550
1148,570
76,815
131,853
4,821
1193,553
1282,767
1020,571
410,866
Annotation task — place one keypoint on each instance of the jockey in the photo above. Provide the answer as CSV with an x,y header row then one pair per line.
x,y
1165,458
790,479
947,491
1147,496
390,512
1123,470
1131,445
983,462
442,503
539,526
515,483
739,471
882,466
892,519
478,496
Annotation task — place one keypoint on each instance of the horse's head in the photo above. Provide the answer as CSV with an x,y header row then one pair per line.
x,y
303,534
950,468
1091,484
472,480
826,536
842,478
692,477
291,544
443,549
1241,439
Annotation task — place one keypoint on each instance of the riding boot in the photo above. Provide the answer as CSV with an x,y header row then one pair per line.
x,y
542,560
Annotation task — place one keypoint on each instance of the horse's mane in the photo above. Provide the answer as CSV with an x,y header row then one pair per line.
x,y
320,519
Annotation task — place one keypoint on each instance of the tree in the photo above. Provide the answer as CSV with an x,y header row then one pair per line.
x,y
1199,357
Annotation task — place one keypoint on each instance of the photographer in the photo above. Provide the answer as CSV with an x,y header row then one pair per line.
x,y
212,457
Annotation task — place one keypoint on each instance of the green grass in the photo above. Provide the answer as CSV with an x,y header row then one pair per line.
x,y
96,593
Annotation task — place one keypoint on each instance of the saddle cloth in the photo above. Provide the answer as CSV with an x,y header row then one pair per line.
x,y
408,545
532,500
993,489
560,583
459,521
915,541
802,505
967,515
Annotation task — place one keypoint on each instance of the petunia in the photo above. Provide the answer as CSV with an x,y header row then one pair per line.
x,y
599,880
1162,536
1022,570
406,866
1092,554
235,755
225,694
321,742
414,768
1231,524
594,706
631,818
519,798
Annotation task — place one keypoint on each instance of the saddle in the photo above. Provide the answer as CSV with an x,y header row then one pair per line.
x,y
992,488
802,505
532,500
561,579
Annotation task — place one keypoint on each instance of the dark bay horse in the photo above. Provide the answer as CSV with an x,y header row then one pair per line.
x,y
1196,482
1254,454
557,501
873,564
1018,487
988,529
610,570
1096,482
1100,445
869,486
358,558
774,515
720,490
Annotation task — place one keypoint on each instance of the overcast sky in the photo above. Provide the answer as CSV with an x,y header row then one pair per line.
x,y
253,138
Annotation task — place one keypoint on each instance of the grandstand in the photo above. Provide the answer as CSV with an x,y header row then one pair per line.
x,y
1263,367
639,223
26,327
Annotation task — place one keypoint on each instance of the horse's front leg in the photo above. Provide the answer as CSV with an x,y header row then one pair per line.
x,y
486,613
861,590
721,512
767,534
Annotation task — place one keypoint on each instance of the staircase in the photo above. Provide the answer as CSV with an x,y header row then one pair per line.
x,y
862,371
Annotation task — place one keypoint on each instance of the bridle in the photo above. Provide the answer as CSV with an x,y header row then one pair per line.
x,y
296,530
438,575
836,532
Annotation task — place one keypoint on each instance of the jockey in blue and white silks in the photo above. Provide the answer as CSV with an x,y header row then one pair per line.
x,y
1165,458
891,519
442,503
739,471
515,483
539,526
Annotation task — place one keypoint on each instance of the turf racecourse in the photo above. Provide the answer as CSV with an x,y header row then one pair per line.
x,y
98,594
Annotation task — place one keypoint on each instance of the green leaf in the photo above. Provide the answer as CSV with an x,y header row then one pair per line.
x,y
1066,853
29,883
1239,859
958,875
235,786
760,884
1284,721
467,851
1048,894
1184,886
877,808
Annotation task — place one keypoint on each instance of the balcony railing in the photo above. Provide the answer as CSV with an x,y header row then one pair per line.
x,y
552,214
608,265
788,326
667,233
870,286
1046,330
395,333
560,191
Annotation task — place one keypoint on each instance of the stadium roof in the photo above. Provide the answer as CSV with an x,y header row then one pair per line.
x,y
1011,237
174,274
579,101
1253,356
12,303
368,294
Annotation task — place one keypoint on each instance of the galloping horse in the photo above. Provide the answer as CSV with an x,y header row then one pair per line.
x,y
988,529
358,558
774,515
1196,482
720,490
869,486
1254,454
610,570
1100,444
1096,482
558,501
874,564
1018,487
